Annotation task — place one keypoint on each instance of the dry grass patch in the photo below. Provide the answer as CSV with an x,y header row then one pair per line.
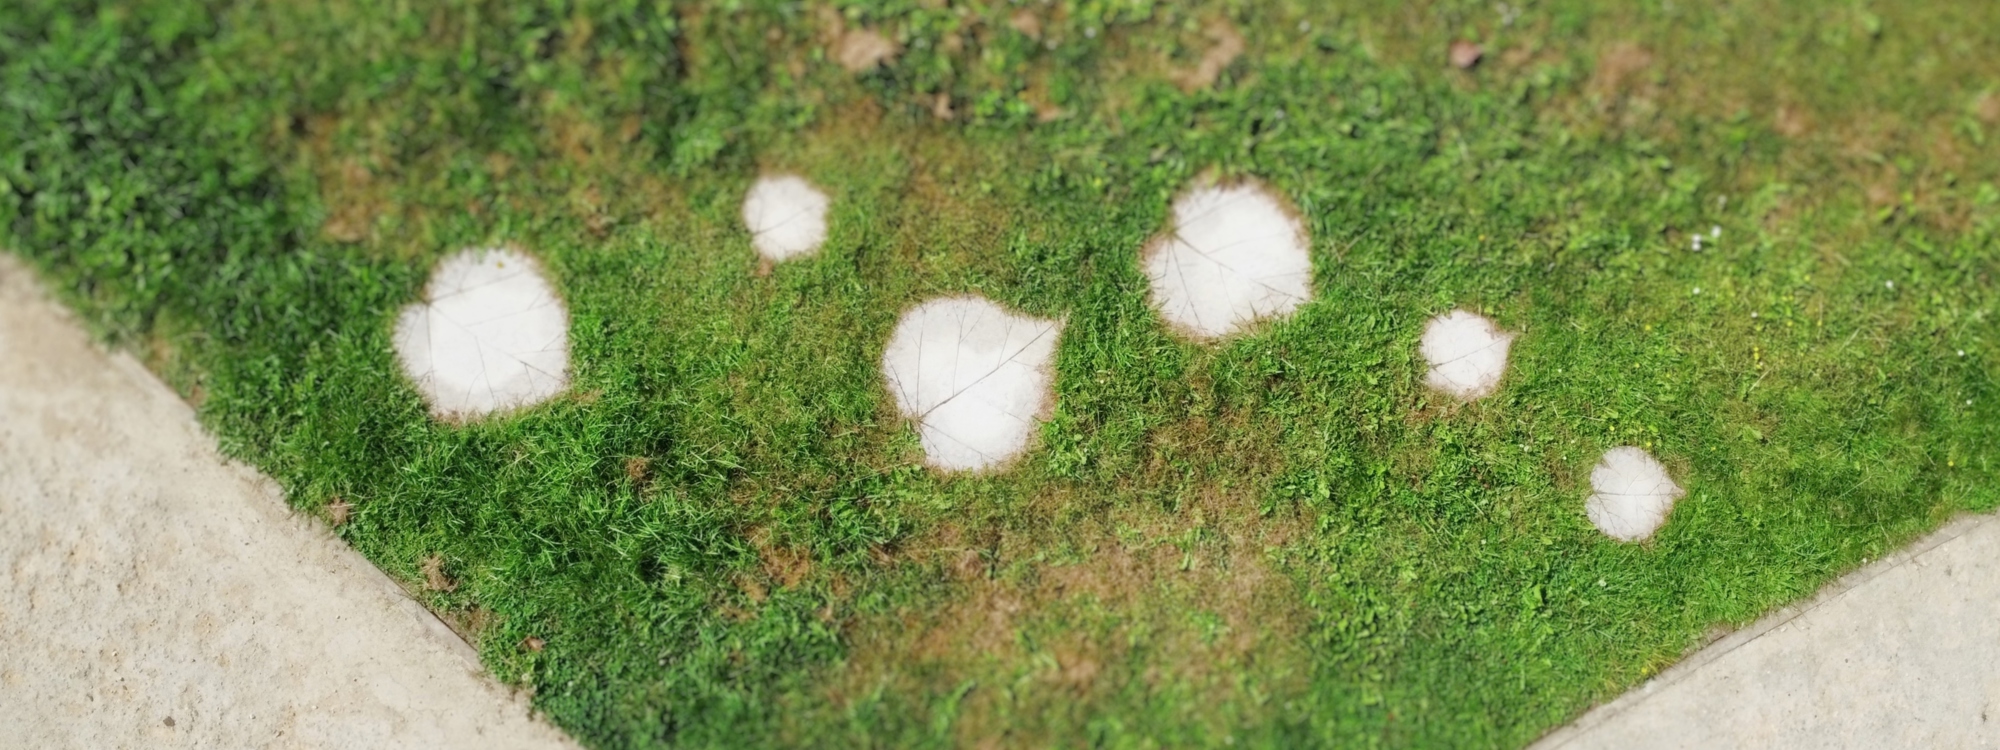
x,y
1146,600
1226,44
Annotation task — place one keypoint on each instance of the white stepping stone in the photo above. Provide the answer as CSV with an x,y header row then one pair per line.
x,y
1233,255
1467,354
489,335
786,216
975,377
1633,494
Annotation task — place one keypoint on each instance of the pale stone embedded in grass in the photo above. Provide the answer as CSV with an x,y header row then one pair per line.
x,y
489,335
786,217
973,376
1631,494
1467,354
1231,255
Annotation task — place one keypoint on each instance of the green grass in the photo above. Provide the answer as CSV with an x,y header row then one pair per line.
x,y
1279,540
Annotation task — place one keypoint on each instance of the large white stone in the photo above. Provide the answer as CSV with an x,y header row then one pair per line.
x,y
1467,354
489,335
1233,255
786,217
974,377
1632,494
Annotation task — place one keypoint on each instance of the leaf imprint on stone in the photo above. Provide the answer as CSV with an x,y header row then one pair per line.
x,y
786,216
1232,255
1633,494
489,335
975,378
1467,354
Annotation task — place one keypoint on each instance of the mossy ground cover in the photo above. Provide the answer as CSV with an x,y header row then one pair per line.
x,y
724,535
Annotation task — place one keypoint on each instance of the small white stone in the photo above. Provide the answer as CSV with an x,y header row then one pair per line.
x,y
1232,255
489,335
1632,494
1467,354
975,377
786,217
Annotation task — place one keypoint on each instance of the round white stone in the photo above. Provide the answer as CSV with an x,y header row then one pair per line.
x,y
489,335
786,216
974,377
1467,354
1233,255
1632,494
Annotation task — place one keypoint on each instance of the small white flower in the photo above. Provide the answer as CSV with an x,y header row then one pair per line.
x,y
1305,26
1961,352
1715,232
1600,583
1090,32
1753,315
1697,291
1889,284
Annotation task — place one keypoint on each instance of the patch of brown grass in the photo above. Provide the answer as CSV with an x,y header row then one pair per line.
x,y
1148,598
786,566
1791,121
1987,109
1621,87
1618,69
435,578
469,622
338,510
1027,22
856,50
1226,45
637,470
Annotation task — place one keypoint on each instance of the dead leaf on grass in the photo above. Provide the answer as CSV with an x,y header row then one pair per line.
x,y
862,50
1463,54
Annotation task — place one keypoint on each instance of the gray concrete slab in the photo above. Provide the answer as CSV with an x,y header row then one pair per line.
x,y
1904,653
153,595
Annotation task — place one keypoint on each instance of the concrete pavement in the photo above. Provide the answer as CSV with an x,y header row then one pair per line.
x,y
1904,653
153,595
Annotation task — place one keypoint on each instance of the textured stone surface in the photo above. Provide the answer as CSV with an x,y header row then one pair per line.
x,y
144,579
974,376
490,335
1904,653
1233,255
